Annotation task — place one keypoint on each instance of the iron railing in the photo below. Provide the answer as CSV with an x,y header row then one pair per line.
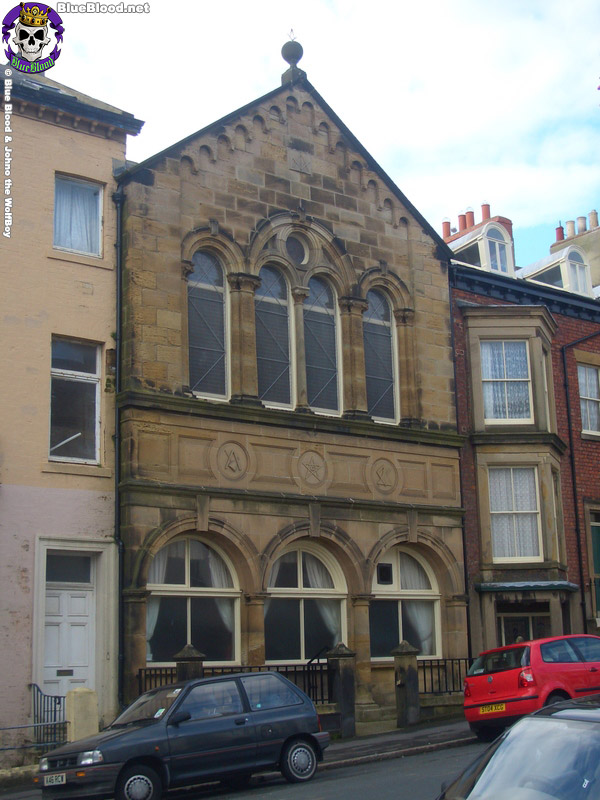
x,y
442,675
312,678
49,719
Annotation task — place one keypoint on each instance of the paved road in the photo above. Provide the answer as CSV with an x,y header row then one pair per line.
x,y
410,778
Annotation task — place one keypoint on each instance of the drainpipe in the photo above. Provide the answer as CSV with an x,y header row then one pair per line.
x,y
574,472
118,199
460,474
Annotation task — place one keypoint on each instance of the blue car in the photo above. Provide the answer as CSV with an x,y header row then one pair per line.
x,y
223,728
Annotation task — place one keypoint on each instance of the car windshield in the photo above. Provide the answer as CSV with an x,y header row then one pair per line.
x,y
500,660
151,705
540,758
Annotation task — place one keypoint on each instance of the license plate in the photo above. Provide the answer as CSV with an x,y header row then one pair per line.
x,y
55,780
492,708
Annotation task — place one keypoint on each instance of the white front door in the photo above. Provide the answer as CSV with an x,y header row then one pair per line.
x,y
68,638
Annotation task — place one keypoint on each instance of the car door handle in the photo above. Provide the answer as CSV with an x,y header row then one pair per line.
x,y
593,669
241,720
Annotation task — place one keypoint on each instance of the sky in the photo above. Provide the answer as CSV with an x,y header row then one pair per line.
x,y
461,102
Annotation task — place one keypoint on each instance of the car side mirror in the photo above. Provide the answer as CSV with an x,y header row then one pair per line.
x,y
179,716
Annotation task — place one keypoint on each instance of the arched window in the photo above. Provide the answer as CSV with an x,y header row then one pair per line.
x,y
206,327
320,342
578,274
497,250
406,605
273,338
304,610
379,358
193,598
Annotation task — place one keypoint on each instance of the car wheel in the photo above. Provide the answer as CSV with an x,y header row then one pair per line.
x,y
298,761
554,697
139,782
485,733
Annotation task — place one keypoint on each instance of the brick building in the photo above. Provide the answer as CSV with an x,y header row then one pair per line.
x,y
527,349
289,451
59,563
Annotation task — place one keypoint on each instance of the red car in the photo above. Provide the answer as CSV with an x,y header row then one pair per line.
x,y
505,683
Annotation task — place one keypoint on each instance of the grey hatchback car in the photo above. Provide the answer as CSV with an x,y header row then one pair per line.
x,y
223,728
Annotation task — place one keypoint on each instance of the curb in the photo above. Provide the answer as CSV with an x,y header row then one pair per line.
x,y
400,753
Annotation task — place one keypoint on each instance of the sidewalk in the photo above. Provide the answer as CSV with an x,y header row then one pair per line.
x,y
340,753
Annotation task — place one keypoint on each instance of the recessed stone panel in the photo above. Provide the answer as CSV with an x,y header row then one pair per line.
x,y
154,453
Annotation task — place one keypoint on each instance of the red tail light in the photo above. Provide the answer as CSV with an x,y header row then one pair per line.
x,y
467,689
526,678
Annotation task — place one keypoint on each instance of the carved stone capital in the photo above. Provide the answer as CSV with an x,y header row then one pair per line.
x,y
300,293
243,282
404,316
187,267
353,305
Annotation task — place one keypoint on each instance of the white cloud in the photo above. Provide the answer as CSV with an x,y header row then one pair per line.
x,y
461,103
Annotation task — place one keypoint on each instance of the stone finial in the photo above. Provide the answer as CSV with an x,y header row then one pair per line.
x,y
405,649
189,653
292,52
340,651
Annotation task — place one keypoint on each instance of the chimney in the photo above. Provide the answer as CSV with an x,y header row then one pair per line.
x,y
446,228
470,218
593,219
462,222
581,224
560,233
485,211
570,228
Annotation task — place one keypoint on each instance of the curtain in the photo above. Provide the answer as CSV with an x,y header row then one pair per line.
x,y
315,575
417,623
77,216
412,574
220,578
156,574
505,376
514,513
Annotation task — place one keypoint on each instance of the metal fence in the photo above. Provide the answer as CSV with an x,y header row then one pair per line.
x,y
312,678
48,729
442,675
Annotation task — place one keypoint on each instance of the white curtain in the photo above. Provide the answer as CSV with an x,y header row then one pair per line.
x,y
317,576
412,574
77,216
505,375
514,513
156,574
419,613
220,578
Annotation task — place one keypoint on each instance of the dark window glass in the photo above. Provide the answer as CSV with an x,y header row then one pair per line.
x,y
73,356
284,574
320,347
379,371
68,568
206,326
217,699
322,625
589,648
207,568
282,629
212,625
73,419
267,691
500,661
169,633
385,574
559,652
295,250
383,627
272,338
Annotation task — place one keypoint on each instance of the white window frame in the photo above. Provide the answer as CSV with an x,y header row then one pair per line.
x,y
222,398
582,397
187,591
77,377
394,591
394,354
497,243
515,513
338,351
291,340
508,420
338,592
68,179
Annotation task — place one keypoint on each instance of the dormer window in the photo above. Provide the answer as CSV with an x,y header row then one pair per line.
x,y
488,247
497,250
566,269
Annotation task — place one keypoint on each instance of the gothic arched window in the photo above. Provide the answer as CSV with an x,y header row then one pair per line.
x,y
320,342
273,338
379,358
207,327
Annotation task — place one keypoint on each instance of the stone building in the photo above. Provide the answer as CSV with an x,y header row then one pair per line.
x,y
289,451
527,344
59,565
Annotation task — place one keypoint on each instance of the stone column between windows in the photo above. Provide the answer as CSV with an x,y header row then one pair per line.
x,y
538,379
134,639
353,358
244,375
300,293
362,647
255,629
556,617
405,336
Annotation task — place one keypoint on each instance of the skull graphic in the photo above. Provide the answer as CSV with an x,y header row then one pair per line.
x,y
31,41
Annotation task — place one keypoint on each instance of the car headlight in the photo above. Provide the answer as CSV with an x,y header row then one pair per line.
x,y
43,764
89,757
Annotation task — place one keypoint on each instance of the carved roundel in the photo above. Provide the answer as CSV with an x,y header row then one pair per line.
x,y
384,476
312,468
232,461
